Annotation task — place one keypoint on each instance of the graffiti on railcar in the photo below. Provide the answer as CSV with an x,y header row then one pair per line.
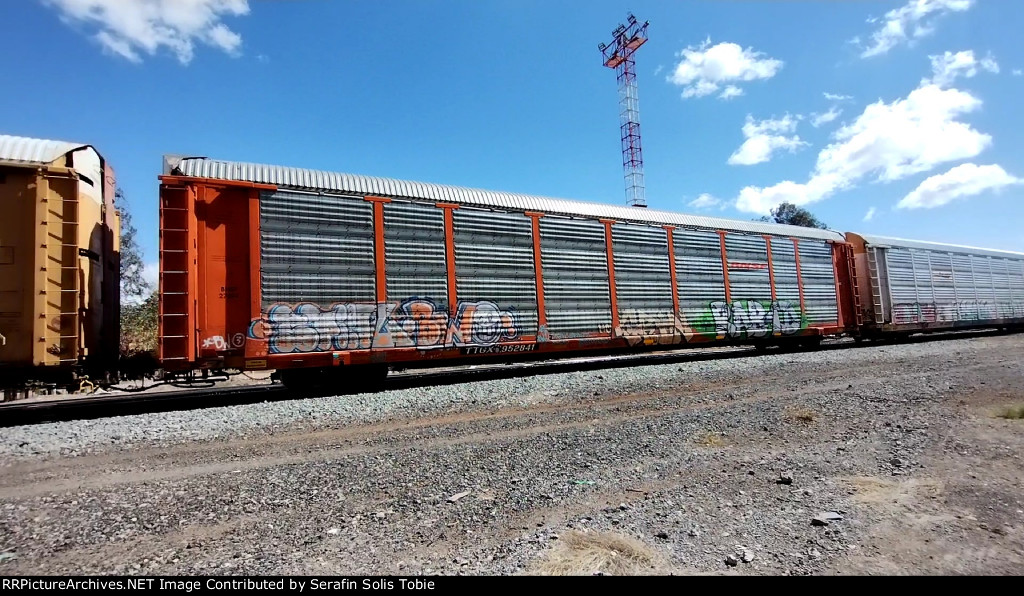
x,y
421,323
914,312
652,328
959,310
416,322
309,327
743,319
483,324
217,342
753,319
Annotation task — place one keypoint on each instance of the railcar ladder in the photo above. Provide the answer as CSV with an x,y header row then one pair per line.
x,y
858,314
62,299
876,292
175,335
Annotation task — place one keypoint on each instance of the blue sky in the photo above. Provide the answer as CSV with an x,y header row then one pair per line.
x,y
926,130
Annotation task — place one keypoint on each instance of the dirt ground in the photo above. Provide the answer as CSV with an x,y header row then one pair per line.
x,y
899,450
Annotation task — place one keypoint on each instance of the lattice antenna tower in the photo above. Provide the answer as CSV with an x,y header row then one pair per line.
x,y
626,40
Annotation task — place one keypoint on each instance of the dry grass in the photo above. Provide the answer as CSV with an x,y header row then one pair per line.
x,y
873,490
803,416
589,553
1012,412
710,439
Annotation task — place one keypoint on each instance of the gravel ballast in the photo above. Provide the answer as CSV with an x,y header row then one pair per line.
x,y
837,461
88,436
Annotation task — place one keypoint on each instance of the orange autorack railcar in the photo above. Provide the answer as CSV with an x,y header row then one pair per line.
x,y
319,275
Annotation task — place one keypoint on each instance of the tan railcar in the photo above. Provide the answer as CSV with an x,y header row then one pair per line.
x,y
59,260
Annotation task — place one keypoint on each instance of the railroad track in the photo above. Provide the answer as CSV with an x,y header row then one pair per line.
x,y
82,407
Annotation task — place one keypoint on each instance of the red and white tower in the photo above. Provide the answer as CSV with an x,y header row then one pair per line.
x,y
626,40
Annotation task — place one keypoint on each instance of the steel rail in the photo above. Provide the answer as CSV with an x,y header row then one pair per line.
x,y
83,407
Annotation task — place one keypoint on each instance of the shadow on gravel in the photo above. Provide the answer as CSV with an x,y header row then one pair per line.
x,y
102,406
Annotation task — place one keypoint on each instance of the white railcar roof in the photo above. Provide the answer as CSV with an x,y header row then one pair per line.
x,y
25,150
883,241
318,180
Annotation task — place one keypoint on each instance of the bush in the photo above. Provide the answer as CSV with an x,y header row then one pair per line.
x,y
139,327
1012,413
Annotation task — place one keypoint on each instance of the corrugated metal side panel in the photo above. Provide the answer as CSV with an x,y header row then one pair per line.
x,y
387,187
35,151
1016,269
787,292
495,275
936,286
1001,283
745,282
416,270
902,286
981,267
969,297
753,313
923,281
818,276
943,290
574,263
317,270
643,283
700,279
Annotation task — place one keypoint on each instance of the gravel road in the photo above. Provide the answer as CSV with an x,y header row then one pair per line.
x,y
877,459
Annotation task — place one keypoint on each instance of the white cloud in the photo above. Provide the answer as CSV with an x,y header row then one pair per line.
x,y
704,201
965,180
989,63
914,20
705,68
151,274
947,67
905,137
891,141
764,138
129,28
754,199
870,214
1018,72
819,119
730,92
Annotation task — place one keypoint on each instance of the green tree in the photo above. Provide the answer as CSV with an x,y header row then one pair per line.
x,y
139,303
138,326
134,286
138,338
790,214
